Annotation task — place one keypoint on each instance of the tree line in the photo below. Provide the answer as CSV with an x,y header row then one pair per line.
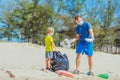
x,y
27,20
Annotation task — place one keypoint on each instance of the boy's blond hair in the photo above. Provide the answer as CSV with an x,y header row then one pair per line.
x,y
50,30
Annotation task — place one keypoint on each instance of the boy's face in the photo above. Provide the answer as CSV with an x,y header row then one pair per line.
x,y
78,20
52,32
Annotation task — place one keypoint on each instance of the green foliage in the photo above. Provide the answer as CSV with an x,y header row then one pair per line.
x,y
30,20
101,16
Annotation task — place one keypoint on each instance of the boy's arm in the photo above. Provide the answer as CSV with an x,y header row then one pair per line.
x,y
53,44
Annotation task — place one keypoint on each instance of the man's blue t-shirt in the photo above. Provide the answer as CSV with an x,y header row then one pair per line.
x,y
83,31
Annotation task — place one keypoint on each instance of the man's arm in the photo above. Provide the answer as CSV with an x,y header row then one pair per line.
x,y
77,37
92,36
91,33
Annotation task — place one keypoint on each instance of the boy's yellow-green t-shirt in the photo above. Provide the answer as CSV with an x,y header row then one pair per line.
x,y
48,43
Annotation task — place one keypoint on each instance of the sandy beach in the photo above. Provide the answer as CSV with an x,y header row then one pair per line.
x,y
25,61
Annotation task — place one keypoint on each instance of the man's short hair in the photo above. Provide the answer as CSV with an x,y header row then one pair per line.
x,y
77,16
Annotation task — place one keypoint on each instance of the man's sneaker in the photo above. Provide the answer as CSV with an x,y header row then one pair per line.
x,y
90,73
75,72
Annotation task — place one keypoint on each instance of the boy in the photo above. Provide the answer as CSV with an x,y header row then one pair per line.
x,y
85,37
49,47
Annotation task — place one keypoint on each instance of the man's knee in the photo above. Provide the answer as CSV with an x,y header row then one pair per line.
x,y
89,58
79,55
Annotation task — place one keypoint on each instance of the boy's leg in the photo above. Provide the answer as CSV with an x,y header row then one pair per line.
x,y
49,56
48,63
78,60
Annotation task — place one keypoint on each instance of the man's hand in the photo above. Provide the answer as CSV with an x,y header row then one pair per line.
x,y
89,40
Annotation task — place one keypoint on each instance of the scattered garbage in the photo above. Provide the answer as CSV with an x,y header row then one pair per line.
x,y
67,43
105,76
65,73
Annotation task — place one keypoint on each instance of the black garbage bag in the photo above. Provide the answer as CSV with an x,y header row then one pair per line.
x,y
59,61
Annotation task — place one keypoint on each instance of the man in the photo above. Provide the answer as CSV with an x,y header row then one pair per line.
x,y
85,38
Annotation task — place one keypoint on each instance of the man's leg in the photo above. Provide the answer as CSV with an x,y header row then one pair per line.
x,y
90,63
78,60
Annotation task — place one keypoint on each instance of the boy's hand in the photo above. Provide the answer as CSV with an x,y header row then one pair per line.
x,y
56,49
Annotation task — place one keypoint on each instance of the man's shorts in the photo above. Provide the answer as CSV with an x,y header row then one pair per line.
x,y
49,55
85,48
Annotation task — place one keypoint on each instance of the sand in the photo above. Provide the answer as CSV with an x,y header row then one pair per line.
x,y
25,61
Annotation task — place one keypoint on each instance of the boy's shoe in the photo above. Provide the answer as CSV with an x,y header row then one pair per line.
x,y
50,69
75,72
90,73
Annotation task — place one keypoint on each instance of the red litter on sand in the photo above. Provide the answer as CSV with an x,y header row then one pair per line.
x,y
65,73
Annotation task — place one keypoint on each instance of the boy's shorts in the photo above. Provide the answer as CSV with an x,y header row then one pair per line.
x,y
85,48
49,55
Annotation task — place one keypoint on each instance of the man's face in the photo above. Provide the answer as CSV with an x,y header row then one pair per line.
x,y
78,20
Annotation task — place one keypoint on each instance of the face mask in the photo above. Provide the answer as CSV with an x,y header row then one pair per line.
x,y
51,34
80,23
